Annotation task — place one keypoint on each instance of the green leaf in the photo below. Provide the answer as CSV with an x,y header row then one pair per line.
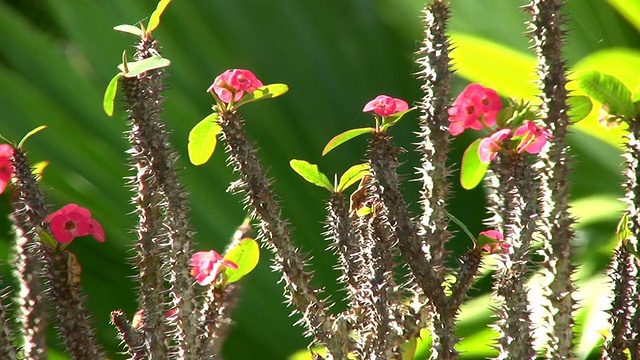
x,y
203,139
364,211
344,137
609,91
30,134
580,107
389,121
246,255
311,173
133,69
472,170
462,226
154,20
265,92
46,238
409,348
351,176
129,29
108,103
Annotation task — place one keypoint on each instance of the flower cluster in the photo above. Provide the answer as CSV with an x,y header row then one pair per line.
x,y
477,108
73,221
6,166
207,265
492,242
384,105
231,85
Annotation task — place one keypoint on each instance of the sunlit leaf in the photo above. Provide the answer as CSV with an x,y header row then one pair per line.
x,y
129,29
108,104
133,69
629,9
154,20
311,173
351,176
246,255
365,210
472,170
30,134
344,137
203,139
409,348
609,91
580,107
262,93
393,119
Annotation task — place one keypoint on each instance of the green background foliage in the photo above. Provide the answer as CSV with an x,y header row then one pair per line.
x,y
57,57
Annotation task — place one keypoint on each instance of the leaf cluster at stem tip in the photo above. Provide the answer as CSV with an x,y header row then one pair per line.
x,y
312,174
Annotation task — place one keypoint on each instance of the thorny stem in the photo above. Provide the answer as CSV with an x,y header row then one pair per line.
x,y
7,347
275,234
556,224
164,233
29,213
132,337
514,322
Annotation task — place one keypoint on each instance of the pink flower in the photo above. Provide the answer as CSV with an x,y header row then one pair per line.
x,y
493,242
6,166
384,105
533,137
473,107
73,221
207,265
491,145
232,84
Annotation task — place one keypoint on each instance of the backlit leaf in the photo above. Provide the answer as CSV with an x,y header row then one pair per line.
x,y
311,173
129,29
351,176
154,20
203,139
262,93
30,134
344,137
609,91
393,119
108,103
246,255
472,170
580,107
136,68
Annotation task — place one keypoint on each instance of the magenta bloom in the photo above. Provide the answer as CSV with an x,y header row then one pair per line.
x,y
233,83
496,242
73,221
533,137
491,145
206,265
384,105
473,107
6,166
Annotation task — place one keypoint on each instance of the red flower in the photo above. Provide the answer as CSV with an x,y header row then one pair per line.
x,y
473,107
207,265
384,105
73,221
6,166
232,84
533,137
492,241
490,146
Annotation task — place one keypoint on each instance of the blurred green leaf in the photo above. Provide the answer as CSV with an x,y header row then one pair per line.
x,y
246,255
609,91
629,9
133,69
409,349
311,173
108,103
472,170
344,137
509,72
203,139
351,176
580,107
154,20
